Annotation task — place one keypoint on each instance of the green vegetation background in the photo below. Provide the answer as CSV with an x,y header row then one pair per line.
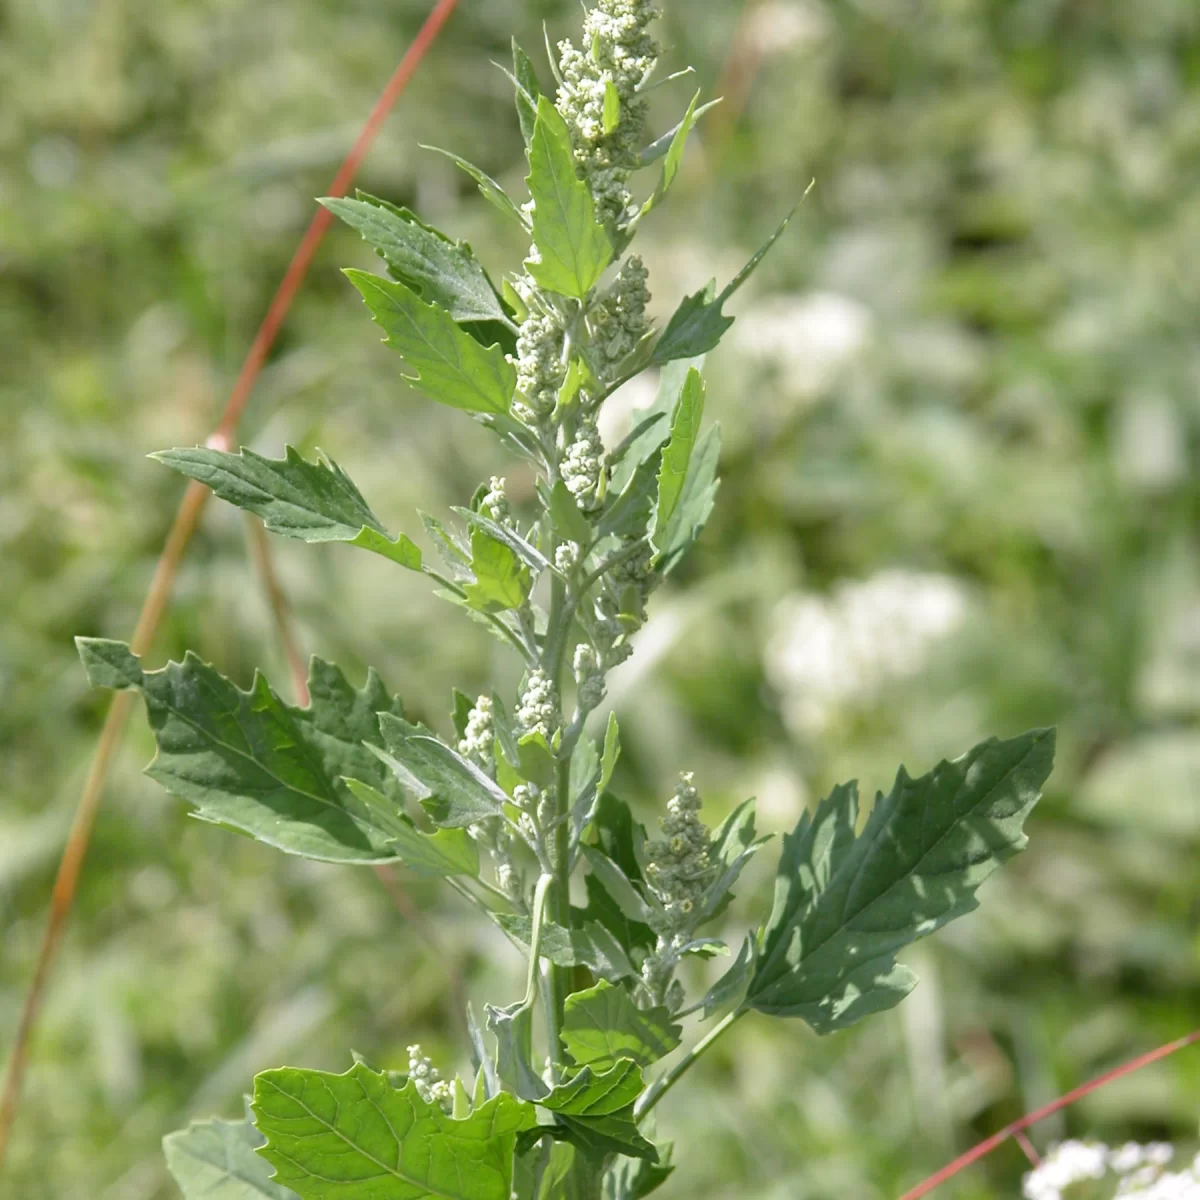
x,y
974,354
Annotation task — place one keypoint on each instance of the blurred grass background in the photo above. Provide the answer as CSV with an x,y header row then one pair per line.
x,y
961,422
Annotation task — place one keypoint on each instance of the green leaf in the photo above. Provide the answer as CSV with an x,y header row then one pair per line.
x,y
217,1160
633,1180
845,905
314,502
597,1111
442,272
730,989
443,852
612,752
488,187
616,884
673,159
602,1025
248,761
524,549
662,145
513,1030
355,1137
685,430
696,501
528,89
502,582
627,515
612,107
573,249
567,518
589,945
456,792
699,323
448,364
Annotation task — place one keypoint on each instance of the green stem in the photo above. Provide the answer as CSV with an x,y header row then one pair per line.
x,y
662,1086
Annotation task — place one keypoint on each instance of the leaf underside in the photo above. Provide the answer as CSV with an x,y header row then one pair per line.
x,y
217,1160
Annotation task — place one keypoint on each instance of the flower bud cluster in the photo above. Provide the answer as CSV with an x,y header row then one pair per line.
x,y
618,322
621,53
538,711
431,1087
680,868
479,735
566,556
610,632
589,677
540,366
583,463
495,505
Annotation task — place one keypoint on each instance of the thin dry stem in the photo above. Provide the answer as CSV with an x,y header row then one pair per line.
x,y
186,519
985,1147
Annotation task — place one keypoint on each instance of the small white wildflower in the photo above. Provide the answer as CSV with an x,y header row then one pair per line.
x,y
477,739
429,1083
582,464
538,710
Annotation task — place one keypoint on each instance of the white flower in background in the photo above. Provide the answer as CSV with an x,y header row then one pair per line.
x,y
808,338
833,653
774,27
1135,1171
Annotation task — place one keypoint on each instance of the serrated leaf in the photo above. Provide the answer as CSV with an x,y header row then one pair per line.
x,y
627,515
573,248
355,1137
699,322
451,551
314,502
673,158
448,364
597,1111
488,187
528,91
677,455
734,844
502,582
442,272
457,793
250,762
443,852
602,1025
696,501
845,905
217,1160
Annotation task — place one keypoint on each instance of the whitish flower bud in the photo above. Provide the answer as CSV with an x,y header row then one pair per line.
x,y
583,463
477,740
538,711
589,677
679,867
619,320
622,54
540,367
495,503
429,1083
566,556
